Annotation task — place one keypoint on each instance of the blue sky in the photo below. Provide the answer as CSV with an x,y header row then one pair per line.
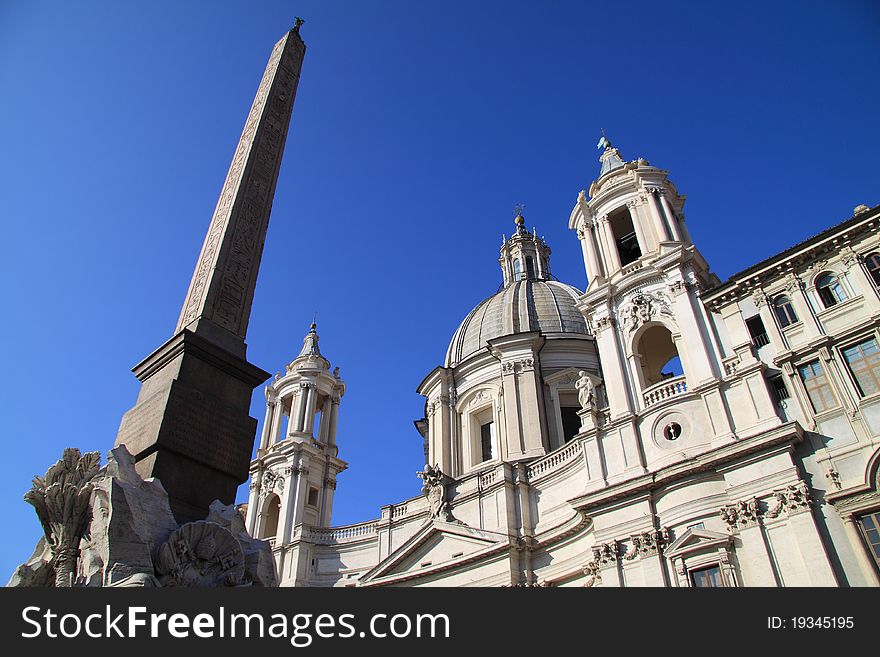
x,y
417,128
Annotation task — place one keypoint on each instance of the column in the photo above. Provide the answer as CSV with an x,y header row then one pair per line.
x,y
267,423
865,561
300,416
253,501
539,261
613,257
615,379
699,353
637,226
860,282
295,410
588,260
277,416
670,216
311,409
659,224
809,543
323,430
768,317
803,308
754,559
327,506
334,419
295,498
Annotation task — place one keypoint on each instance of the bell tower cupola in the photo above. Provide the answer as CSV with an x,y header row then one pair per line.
x,y
525,256
633,214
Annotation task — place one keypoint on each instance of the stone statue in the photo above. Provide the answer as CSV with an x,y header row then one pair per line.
x,y
435,490
586,390
61,500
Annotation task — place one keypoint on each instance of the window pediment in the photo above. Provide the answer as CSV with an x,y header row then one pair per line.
x,y
695,541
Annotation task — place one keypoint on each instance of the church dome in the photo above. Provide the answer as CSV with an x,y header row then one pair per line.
x,y
522,306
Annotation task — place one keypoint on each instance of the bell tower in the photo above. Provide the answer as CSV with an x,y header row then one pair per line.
x,y
293,477
634,214
643,304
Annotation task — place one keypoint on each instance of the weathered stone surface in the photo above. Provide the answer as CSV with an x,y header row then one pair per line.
x,y
258,561
36,571
201,554
130,538
61,500
130,519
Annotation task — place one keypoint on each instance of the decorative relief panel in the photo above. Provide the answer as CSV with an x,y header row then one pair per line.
x,y
642,308
741,514
272,481
792,499
647,543
606,553
516,366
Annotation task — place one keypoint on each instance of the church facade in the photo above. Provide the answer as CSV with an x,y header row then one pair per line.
x,y
660,428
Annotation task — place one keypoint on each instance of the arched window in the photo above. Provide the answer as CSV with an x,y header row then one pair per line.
x,y
530,266
872,262
830,290
784,311
272,509
517,268
658,355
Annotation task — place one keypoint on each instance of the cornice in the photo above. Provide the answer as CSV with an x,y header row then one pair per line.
x,y
786,433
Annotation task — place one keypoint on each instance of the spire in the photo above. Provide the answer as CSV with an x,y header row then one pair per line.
x,y
310,343
520,221
610,158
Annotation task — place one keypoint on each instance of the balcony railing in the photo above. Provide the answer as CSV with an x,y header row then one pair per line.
x,y
666,389
329,535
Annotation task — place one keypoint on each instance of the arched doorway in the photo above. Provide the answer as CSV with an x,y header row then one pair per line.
x,y
271,512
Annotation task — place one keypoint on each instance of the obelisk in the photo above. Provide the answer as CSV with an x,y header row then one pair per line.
x,y
191,427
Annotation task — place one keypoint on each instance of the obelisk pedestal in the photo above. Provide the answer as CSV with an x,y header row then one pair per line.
x,y
191,427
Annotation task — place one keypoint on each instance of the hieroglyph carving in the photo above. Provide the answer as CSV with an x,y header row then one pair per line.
x,y
223,283
61,499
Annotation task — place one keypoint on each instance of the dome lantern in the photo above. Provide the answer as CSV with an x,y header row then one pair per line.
x,y
524,256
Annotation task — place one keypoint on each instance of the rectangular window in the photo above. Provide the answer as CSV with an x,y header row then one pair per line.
x,y
757,331
864,363
571,423
625,238
313,496
707,577
817,386
486,431
779,390
870,525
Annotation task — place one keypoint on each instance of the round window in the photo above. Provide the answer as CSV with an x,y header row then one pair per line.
x,y
672,431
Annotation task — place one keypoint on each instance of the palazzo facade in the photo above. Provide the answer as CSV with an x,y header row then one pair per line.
x,y
660,428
